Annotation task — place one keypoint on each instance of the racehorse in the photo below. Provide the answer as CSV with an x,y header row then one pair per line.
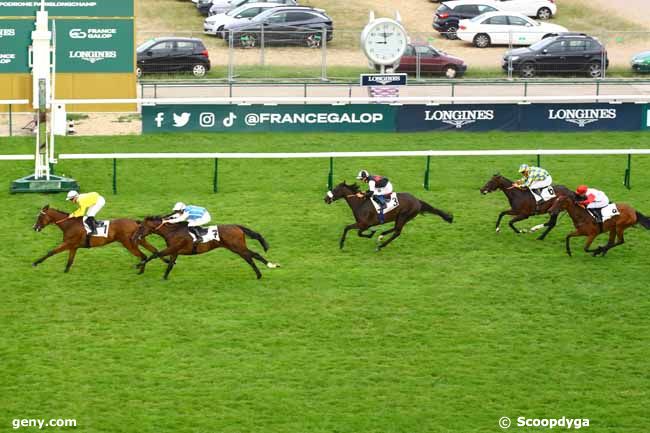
x,y
366,216
74,236
522,204
180,242
585,224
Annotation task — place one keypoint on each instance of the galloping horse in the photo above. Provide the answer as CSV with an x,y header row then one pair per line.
x,y
74,236
522,204
179,242
366,216
586,225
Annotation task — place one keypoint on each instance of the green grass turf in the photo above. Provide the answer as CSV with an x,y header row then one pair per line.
x,y
447,330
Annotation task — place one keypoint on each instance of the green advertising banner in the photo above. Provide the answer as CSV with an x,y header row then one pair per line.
x,y
15,38
95,46
215,118
646,117
69,8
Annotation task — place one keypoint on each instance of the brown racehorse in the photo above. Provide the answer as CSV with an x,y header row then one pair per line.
x,y
74,236
522,204
179,242
366,216
586,225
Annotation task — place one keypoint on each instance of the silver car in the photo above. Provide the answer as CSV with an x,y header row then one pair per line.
x,y
222,6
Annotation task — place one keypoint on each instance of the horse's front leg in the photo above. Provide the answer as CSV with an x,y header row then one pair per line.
x,y
366,235
567,241
170,266
347,229
71,254
517,218
64,246
162,253
500,217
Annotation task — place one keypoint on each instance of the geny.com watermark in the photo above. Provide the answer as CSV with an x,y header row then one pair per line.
x,y
548,423
43,423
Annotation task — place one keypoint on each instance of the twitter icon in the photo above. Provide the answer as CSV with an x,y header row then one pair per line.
x,y
182,120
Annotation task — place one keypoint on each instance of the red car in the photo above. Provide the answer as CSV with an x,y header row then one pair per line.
x,y
432,61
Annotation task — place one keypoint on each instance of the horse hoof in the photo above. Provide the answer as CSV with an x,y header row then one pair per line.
x,y
272,265
380,238
498,230
377,249
34,264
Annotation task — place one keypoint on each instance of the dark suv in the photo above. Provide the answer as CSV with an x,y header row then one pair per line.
x,y
566,53
447,16
173,55
283,25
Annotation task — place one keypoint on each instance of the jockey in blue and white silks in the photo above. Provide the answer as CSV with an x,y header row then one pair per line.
x,y
196,216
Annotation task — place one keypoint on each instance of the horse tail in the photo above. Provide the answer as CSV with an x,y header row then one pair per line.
x,y
254,235
643,220
427,208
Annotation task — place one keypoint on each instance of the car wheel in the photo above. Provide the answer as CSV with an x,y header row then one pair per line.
x,y
450,71
544,14
595,70
451,32
248,40
527,70
198,70
138,72
482,40
313,40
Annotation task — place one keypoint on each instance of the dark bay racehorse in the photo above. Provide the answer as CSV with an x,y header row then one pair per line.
x,y
74,236
585,224
366,216
522,204
179,242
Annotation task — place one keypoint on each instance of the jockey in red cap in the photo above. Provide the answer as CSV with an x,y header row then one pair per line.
x,y
593,200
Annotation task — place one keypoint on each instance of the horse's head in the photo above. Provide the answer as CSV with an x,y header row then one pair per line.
x,y
495,182
43,218
340,191
562,202
149,225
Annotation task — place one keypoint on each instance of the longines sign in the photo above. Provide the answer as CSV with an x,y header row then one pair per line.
x,y
383,79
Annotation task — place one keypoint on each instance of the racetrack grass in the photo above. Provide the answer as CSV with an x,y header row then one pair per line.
x,y
448,329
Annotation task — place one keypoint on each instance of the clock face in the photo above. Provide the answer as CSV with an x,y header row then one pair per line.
x,y
384,41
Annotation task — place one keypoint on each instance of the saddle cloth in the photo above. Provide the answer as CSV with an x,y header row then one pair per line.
x,y
211,235
609,212
102,228
546,194
391,203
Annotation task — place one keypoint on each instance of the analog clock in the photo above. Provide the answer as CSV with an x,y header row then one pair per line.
x,y
384,41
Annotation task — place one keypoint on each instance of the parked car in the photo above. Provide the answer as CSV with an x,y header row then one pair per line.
x,y
219,7
203,6
215,24
540,9
449,14
283,25
505,28
432,61
173,55
641,62
566,53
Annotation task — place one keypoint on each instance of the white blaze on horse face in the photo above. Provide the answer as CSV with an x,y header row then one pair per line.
x,y
329,194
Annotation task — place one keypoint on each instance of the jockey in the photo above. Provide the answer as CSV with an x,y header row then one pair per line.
x,y
89,204
379,187
593,200
195,216
535,179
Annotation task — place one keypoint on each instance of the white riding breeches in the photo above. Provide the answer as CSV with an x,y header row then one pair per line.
x,y
200,221
598,204
94,209
388,189
541,183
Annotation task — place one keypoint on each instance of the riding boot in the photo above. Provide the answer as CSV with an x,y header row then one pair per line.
x,y
197,234
598,215
92,225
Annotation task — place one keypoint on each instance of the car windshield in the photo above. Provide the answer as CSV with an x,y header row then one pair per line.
x,y
238,10
478,18
146,45
538,46
263,15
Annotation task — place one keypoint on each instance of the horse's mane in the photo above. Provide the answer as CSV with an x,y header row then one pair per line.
x,y
354,187
502,177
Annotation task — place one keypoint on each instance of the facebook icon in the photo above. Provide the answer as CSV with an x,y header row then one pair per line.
x,y
159,119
